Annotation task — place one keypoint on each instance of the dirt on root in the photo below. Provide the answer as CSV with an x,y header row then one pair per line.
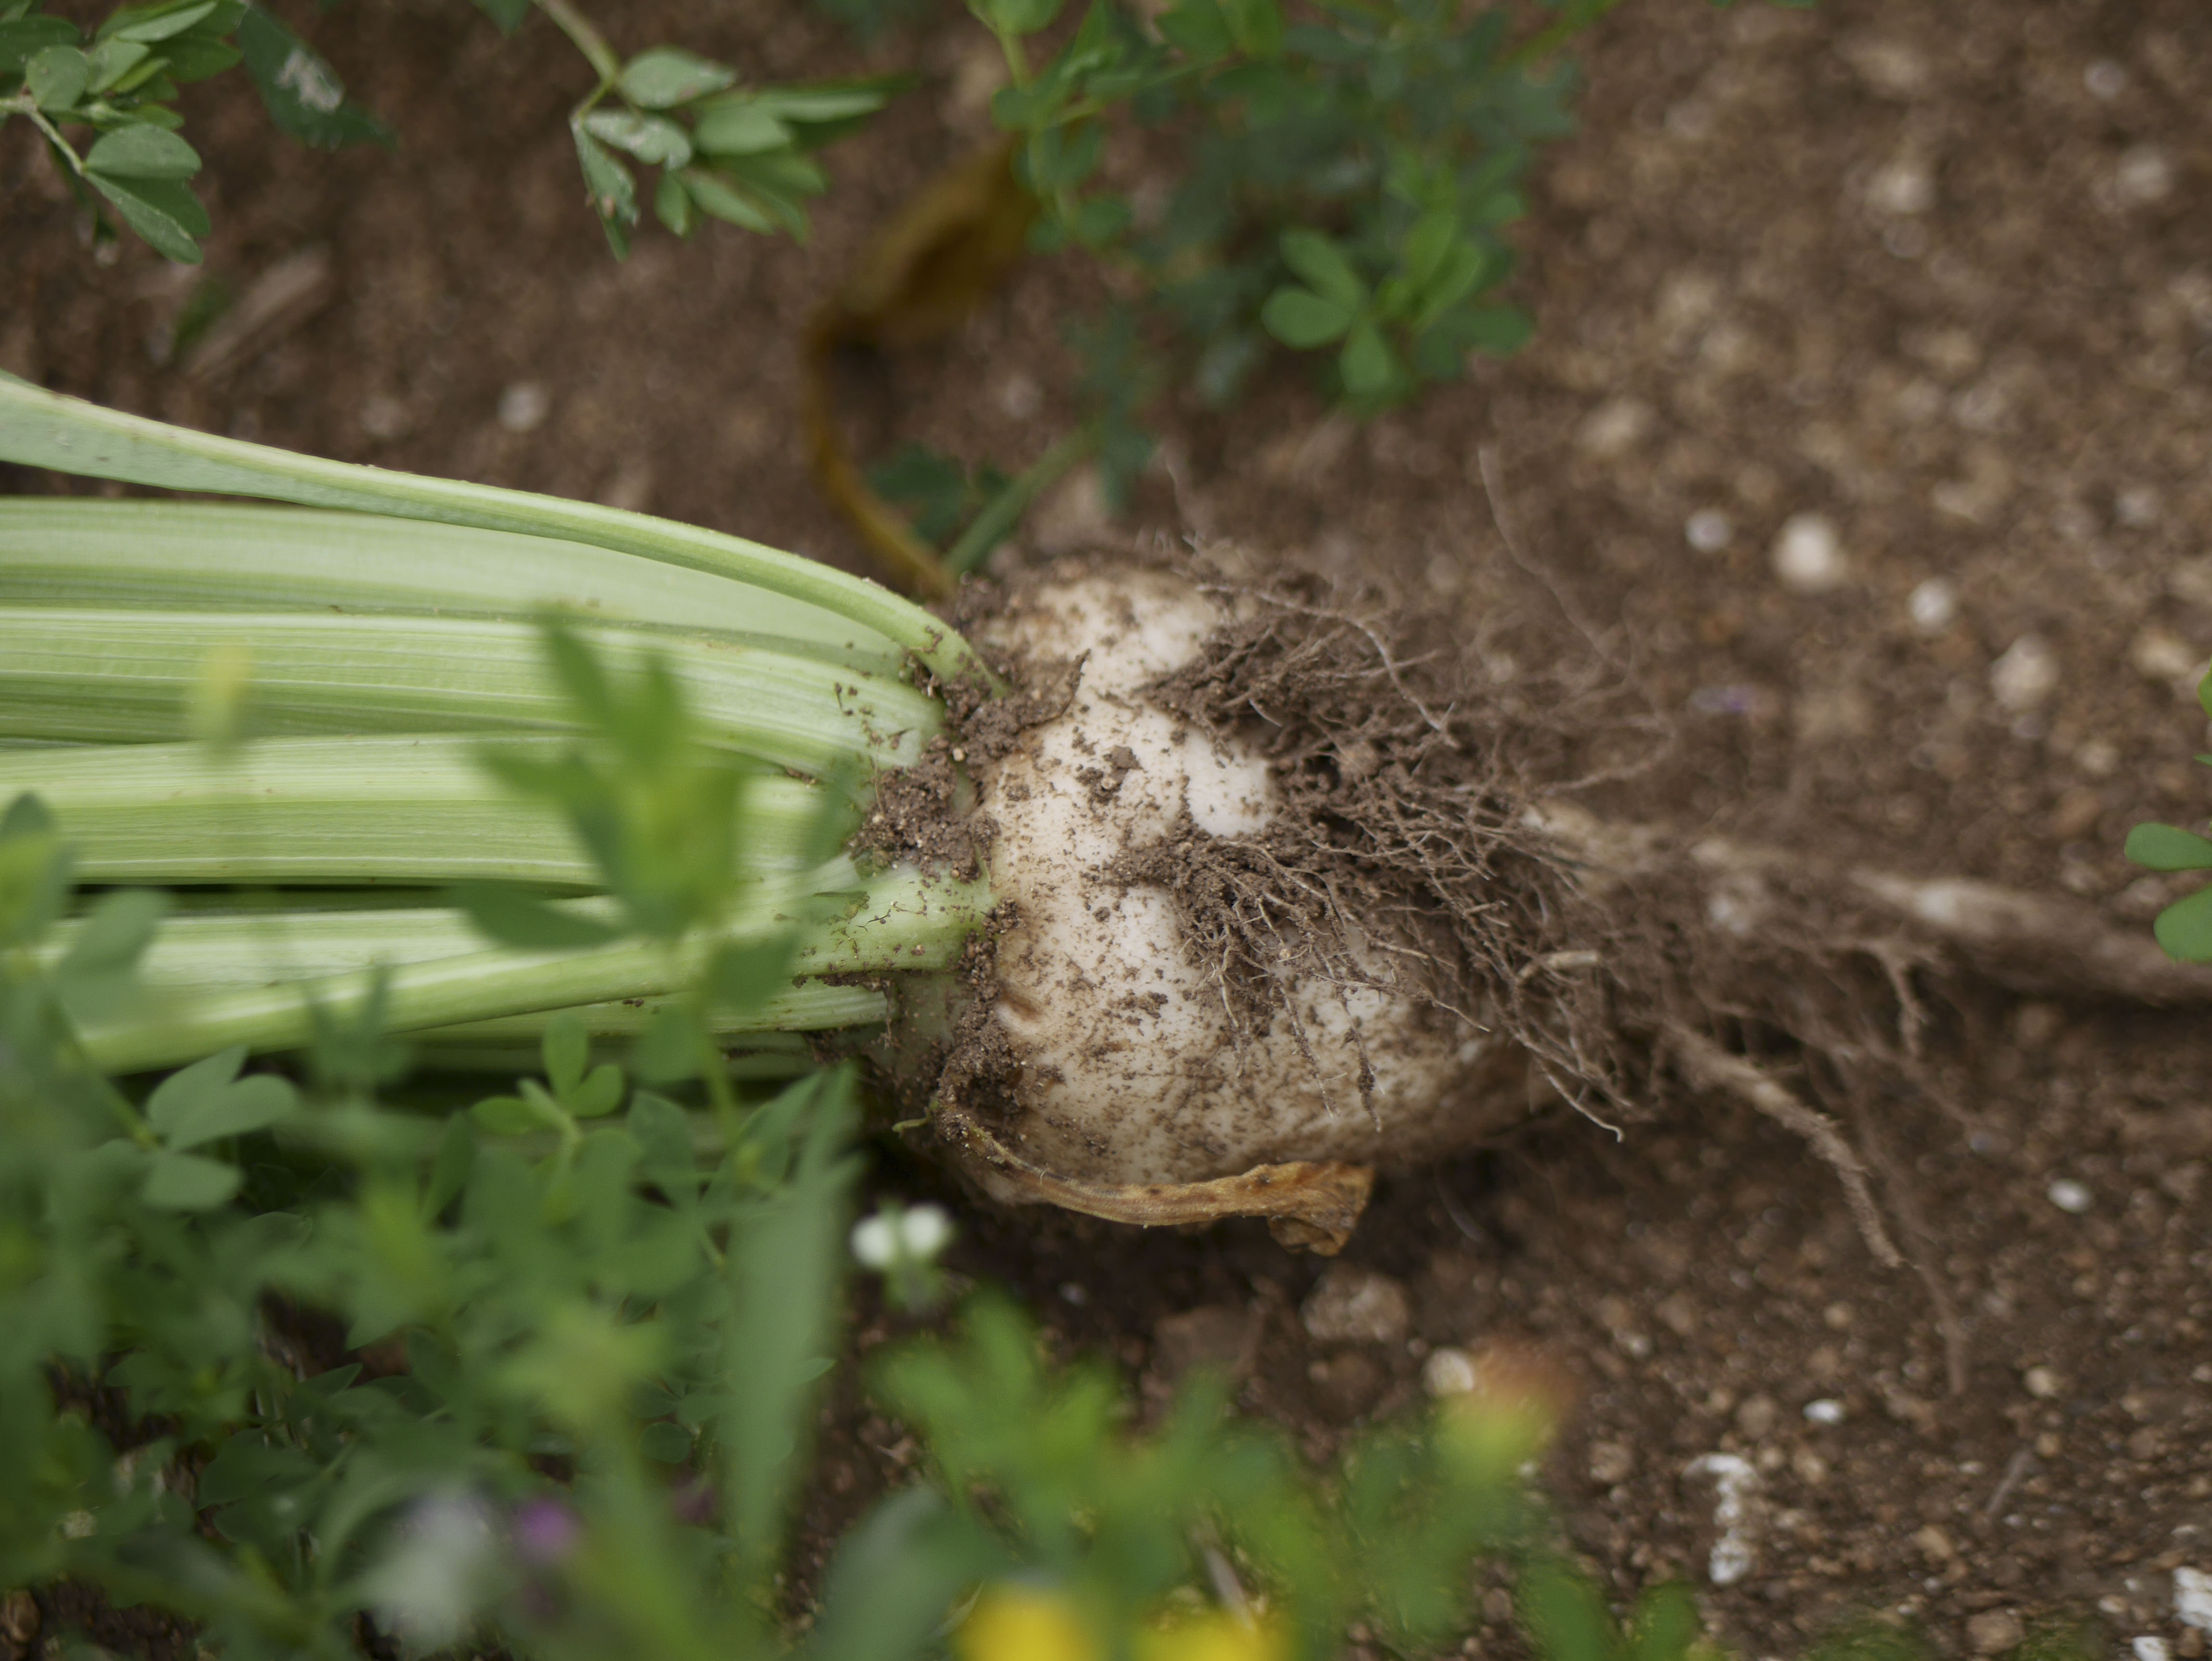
x,y
1868,423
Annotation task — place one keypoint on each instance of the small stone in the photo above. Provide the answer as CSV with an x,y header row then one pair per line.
x,y
385,418
1448,1371
1994,1631
2193,1599
1756,1417
1903,187
2025,676
1611,1463
1808,555
1614,428
2158,654
1811,1469
1893,68
2137,507
1826,1411
2145,175
2150,1647
2106,80
2042,1382
1356,1305
2069,1195
1709,531
1934,606
2076,813
524,406
1935,1545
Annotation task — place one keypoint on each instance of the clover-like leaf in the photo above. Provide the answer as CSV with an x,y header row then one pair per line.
x,y
2184,928
1302,319
653,139
185,1181
668,75
139,151
1367,363
56,77
2168,847
207,1100
1323,265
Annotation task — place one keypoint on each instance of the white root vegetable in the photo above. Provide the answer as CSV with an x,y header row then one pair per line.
x,y
1136,1092
1133,1071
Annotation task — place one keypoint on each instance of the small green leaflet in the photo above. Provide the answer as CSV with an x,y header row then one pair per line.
x,y
1302,319
185,1181
2184,928
207,1100
139,151
2168,847
667,76
57,76
1322,265
653,139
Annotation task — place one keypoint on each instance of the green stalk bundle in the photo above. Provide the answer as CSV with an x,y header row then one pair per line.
x,y
371,639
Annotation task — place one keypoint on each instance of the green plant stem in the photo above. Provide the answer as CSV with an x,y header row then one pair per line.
x,y
215,556
413,810
40,428
904,920
1003,512
107,677
24,105
585,36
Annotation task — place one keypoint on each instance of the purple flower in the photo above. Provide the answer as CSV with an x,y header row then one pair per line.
x,y
545,1531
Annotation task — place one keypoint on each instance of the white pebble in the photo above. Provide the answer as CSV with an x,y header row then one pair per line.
x,y
927,1230
2136,507
2025,675
913,1235
1826,1411
2145,175
2193,1599
1934,606
875,1241
2041,1383
1905,187
1808,555
524,406
1708,530
2150,1648
1614,428
1356,1305
1737,1482
2069,1195
1448,1371
384,417
2104,79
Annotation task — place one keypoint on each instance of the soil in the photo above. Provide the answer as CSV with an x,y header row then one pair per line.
x,y
1940,277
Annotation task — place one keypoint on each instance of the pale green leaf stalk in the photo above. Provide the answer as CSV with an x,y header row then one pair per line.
x,y
369,643
39,429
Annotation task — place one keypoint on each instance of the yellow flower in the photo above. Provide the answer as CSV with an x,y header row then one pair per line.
x,y
1014,1622
1215,1636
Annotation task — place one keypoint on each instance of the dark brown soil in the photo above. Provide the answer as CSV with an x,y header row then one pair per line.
x,y
1940,275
